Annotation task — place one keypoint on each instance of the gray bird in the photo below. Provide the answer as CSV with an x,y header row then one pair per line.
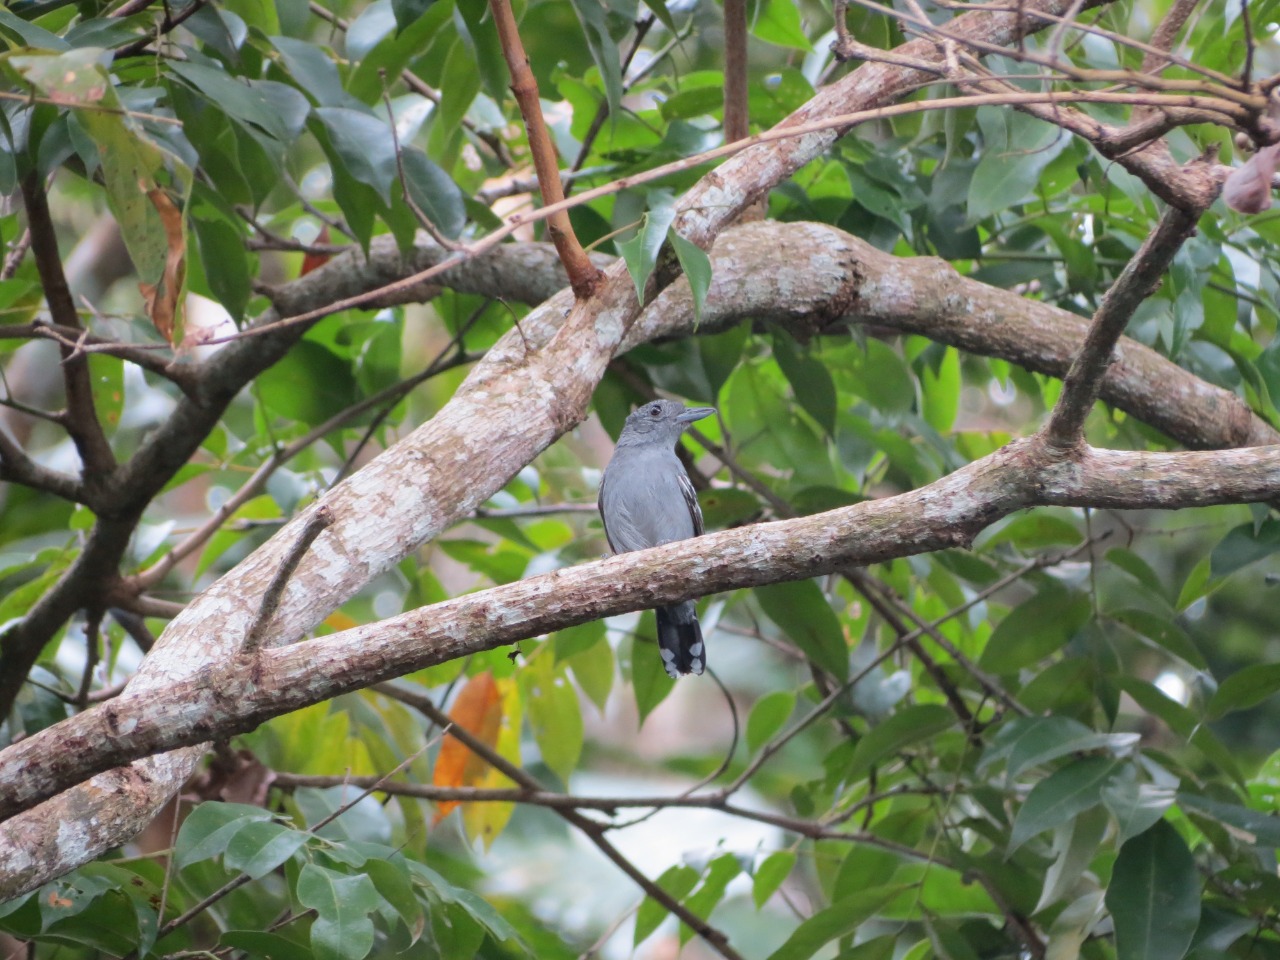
x,y
646,500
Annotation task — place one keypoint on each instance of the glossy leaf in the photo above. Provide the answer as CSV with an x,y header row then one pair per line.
x,y
837,920
211,827
803,613
908,726
770,875
1061,796
342,929
768,716
1154,896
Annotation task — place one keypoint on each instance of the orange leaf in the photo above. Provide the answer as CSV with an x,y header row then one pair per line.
x,y
313,260
162,298
478,710
340,621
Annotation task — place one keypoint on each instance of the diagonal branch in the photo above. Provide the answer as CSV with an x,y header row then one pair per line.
x,y
229,696
1139,279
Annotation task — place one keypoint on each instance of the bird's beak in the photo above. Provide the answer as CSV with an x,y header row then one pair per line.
x,y
695,413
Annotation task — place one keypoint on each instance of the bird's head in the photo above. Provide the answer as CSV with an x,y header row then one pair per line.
x,y
661,421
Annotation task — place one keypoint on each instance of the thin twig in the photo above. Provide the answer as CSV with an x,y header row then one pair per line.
x,y
239,881
92,638
320,519
423,220
17,252
592,829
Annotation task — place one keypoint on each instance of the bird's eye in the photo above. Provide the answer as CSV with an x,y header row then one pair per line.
x,y
655,411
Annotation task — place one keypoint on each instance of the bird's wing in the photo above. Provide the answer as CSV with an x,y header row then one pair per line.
x,y
691,501
600,507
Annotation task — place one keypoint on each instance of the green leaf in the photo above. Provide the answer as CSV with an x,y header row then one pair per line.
x,y
767,717
641,251
1062,795
720,354
720,872
1035,629
482,36
940,396
554,715
838,920
1244,545
313,70
697,270
584,650
222,253
810,382
106,380
1182,722
724,507
1163,632
380,49
1260,829
272,946
262,846
1198,584
659,10
677,881
1037,529
1042,739
407,11
1136,806
909,725
649,679
274,108
1136,567
210,827
804,615
1075,844
770,875
1015,150
362,144
342,929
1154,896
1244,689
604,51
434,192
395,885
310,384
131,162
778,22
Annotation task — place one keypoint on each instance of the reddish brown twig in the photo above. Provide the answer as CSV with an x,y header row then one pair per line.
x,y
583,275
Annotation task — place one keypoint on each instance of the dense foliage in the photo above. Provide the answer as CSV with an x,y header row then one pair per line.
x,y
1054,740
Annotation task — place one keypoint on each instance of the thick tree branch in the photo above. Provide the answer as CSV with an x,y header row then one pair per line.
x,y
231,697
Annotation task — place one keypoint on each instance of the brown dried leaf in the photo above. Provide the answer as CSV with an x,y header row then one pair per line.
x,y
162,298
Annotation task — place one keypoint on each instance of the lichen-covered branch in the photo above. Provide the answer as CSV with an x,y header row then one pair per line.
x,y
232,696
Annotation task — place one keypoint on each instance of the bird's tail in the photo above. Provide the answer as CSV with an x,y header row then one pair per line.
x,y
680,639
